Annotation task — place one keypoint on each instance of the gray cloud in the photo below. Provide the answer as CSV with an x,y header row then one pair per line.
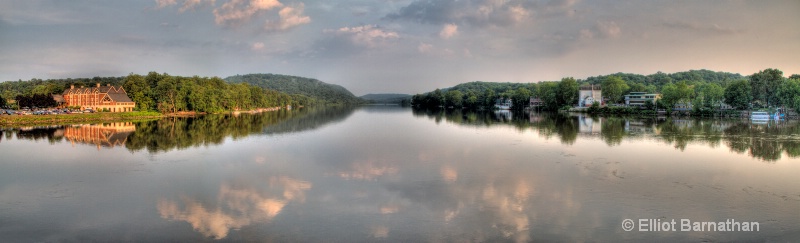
x,y
473,12
703,28
276,16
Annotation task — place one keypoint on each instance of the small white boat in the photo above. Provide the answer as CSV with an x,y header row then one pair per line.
x,y
759,116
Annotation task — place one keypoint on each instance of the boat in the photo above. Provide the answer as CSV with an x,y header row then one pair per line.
x,y
759,116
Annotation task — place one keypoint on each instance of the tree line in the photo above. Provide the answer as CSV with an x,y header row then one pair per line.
x,y
159,92
704,89
316,91
166,93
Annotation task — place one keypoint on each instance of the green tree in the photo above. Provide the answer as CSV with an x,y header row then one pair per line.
x,y
764,85
521,98
712,94
471,100
139,91
167,94
613,87
738,94
789,92
489,97
548,92
454,98
677,93
638,87
568,91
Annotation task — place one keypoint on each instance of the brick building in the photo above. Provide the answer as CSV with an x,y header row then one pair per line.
x,y
98,98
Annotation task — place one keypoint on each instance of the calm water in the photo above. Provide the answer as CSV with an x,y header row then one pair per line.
x,y
392,174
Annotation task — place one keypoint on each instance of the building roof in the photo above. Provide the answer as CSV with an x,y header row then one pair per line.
x,y
119,97
108,89
59,98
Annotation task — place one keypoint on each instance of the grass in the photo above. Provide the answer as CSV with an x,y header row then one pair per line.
x,y
61,119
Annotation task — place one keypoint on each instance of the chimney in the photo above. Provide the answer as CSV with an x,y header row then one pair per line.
x,y
98,85
108,84
72,86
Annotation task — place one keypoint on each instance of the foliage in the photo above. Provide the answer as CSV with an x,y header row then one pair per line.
x,y
167,93
764,85
313,89
613,88
139,91
677,93
568,91
36,100
711,94
789,94
453,98
738,94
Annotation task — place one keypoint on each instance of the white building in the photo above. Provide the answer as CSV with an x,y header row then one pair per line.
x,y
588,94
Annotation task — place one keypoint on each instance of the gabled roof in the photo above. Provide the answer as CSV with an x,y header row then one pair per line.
x,y
119,97
59,98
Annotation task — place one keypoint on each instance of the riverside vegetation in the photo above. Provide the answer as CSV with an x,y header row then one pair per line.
x,y
171,94
705,90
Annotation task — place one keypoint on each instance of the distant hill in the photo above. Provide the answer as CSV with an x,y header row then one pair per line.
x,y
312,88
386,98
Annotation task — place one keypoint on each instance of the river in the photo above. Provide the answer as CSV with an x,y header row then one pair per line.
x,y
387,173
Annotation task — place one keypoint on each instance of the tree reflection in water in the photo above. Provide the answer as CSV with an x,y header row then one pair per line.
x,y
766,142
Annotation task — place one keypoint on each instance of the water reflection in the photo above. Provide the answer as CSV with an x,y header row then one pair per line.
x,y
183,132
100,135
765,141
383,174
237,205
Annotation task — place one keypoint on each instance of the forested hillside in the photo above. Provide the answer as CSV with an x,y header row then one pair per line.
x,y
316,90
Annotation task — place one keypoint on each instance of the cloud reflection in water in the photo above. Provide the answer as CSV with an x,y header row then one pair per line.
x,y
237,206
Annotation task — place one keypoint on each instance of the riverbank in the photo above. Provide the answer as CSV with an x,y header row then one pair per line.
x,y
104,117
675,113
63,119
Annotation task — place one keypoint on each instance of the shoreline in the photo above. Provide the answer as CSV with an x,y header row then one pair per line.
x,y
64,119
105,117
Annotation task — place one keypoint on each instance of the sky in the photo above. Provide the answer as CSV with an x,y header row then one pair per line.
x,y
395,46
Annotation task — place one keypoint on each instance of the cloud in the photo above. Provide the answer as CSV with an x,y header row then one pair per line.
x,y
602,29
449,30
165,3
367,35
258,46
500,13
609,28
424,48
187,4
706,28
289,17
194,4
237,12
